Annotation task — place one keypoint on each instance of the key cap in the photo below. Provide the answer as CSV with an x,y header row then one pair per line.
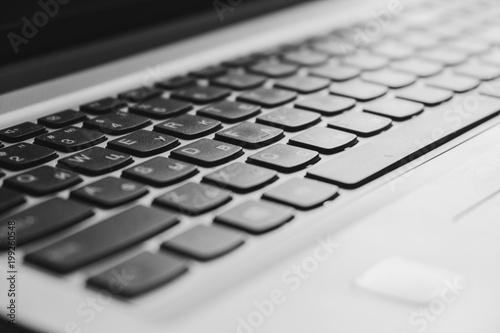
x,y
302,84
420,40
110,192
418,67
452,82
389,78
200,95
272,69
62,119
241,61
284,158
305,57
445,56
229,111
336,73
24,155
468,46
357,89
176,82
161,171
207,153
102,239
396,109
250,135
303,194
256,217
144,143
21,132
10,199
360,123
491,58
44,219
194,199
140,94
105,105
209,72
117,123
237,81
365,61
289,119
161,108
324,140
96,161
478,71
393,50
267,97
188,126
70,139
334,47
425,95
387,151
142,273
241,177
326,105
43,180
205,242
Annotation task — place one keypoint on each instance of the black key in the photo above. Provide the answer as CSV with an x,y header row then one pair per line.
x,y
324,140
103,239
425,95
418,67
256,217
267,97
390,78
44,219
357,89
395,108
144,143
117,123
452,82
241,177
96,161
194,199
229,111
104,105
204,242
326,105
141,273
188,126
289,119
161,171
140,94
250,135
239,81
161,108
209,72
305,57
302,193
62,119
360,123
444,55
176,82
10,199
284,158
302,84
110,192
2,174
336,73
43,180
201,95
273,69
207,153
21,132
70,139
387,151
241,61
365,61
24,155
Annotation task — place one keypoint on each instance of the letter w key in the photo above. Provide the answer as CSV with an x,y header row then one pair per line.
x,y
95,161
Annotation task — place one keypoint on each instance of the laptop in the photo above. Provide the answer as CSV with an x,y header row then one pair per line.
x,y
250,166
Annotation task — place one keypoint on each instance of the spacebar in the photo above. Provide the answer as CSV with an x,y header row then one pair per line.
x,y
394,148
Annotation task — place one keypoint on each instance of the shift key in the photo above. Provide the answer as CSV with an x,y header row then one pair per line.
x,y
103,239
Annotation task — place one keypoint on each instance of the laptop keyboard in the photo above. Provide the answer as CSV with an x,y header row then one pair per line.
x,y
329,113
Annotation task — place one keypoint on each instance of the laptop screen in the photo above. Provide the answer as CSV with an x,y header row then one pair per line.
x,y
33,30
